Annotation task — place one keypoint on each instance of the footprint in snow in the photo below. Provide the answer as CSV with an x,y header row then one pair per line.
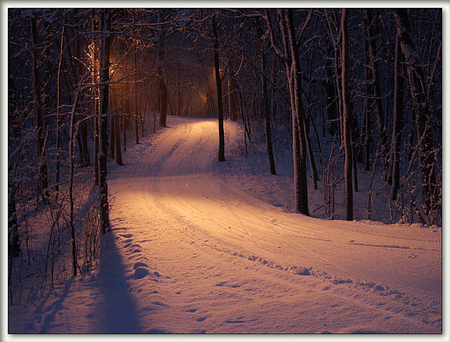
x,y
235,321
139,264
159,304
140,273
135,248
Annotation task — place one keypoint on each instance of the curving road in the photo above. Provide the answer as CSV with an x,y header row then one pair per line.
x,y
212,258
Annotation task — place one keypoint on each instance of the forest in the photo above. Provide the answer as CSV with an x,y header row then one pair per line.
x,y
346,103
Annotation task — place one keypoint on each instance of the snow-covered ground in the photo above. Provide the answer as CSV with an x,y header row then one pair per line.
x,y
197,247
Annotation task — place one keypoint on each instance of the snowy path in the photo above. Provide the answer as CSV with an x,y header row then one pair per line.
x,y
199,254
191,251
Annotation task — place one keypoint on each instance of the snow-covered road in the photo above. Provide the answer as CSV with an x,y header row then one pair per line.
x,y
198,253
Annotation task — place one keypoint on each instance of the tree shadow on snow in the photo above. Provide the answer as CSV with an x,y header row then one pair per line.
x,y
45,315
118,311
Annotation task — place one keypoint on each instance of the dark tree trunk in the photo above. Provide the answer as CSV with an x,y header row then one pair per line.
x,y
117,141
124,119
289,57
112,144
136,111
96,79
82,137
332,103
265,98
104,96
346,119
71,180
219,90
417,78
13,231
312,160
371,28
163,95
354,163
367,110
336,66
96,143
58,114
40,138
124,127
299,113
397,122
86,160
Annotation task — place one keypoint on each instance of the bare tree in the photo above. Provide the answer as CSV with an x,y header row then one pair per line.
x,y
163,93
219,89
371,25
422,110
40,133
104,99
262,52
58,114
346,119
289,55
398,120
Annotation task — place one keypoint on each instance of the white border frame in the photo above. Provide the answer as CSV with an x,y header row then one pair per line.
x,y
4,336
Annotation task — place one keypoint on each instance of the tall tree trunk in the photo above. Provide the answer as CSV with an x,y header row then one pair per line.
x,y
219,90
422,111
117,141
332,103
58,113
71,180
265,98
95,80
96,142
299,113
346,119
371,28
164,99
104,96
124,127
124,119
312,161
40,139
163,95
289,57
398,120
84,142
82,131
354,163
230,99
337,72
112,144
136,112
367,109
13,230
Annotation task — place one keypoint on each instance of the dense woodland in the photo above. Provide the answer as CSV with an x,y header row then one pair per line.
x,y
342,89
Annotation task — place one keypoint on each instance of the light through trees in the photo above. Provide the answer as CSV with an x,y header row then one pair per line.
x,y
340,98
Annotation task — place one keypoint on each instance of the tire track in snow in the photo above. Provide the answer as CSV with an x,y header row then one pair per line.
x,y
180,223
177,162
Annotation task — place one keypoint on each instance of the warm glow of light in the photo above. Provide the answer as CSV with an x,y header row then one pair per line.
x,y
93,60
